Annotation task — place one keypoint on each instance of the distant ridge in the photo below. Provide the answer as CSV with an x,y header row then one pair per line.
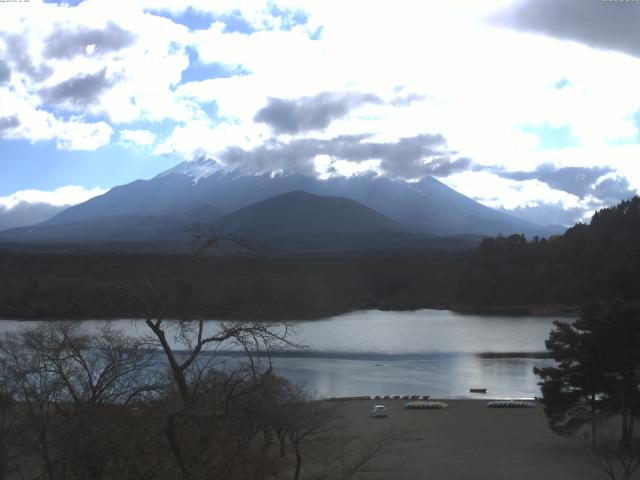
x,y
200,191
299,212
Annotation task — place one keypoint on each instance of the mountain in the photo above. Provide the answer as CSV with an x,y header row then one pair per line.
x,y
427,205
117,228
201,191
302,213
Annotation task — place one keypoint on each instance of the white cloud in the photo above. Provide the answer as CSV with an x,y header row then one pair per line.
x,y
75,135
142,138
28,207
205,138
62,196
484,88
495,191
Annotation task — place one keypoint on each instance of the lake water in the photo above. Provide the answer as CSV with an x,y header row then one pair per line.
x,y
427,352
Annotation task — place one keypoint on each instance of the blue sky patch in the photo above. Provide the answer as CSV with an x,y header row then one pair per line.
x,y
71,3
106,167
289,18
198,71
191,18
562,83
551,138
197,20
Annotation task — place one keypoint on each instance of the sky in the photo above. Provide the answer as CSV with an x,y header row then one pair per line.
x,y
528,106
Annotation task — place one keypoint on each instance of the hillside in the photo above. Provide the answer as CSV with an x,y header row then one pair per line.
x,y
302,213
598,260
426,206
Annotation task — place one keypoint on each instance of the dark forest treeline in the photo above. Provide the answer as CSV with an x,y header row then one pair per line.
x,y
596,261
599,260
97,285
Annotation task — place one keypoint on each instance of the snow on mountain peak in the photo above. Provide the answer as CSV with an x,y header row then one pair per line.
x,y
198,168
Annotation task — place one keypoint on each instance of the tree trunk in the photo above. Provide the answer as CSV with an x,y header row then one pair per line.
x,y
594,421
296,474
174,444
625,427
176,371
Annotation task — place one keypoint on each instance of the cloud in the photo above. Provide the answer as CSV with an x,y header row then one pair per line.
x,y
79,91
578,181
410,157
613,190
549,213
407,100
610,25
589,188
62,196
8,123
18,54
67,44
444,166
5,72
25,213
310,113
76,135
27,207
137,137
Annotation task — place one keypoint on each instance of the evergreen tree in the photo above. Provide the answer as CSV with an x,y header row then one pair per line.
x,y
597,372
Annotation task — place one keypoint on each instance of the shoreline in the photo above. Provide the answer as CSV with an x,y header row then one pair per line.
x,y
500,311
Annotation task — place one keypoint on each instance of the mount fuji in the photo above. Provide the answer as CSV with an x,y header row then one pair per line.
x,y
277,206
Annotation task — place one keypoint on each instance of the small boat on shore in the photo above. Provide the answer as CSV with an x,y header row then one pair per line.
x,y
478,390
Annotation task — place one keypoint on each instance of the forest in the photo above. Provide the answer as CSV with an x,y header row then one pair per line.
x,y
599,260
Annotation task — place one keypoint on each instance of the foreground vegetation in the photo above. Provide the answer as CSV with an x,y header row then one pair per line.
x,y
105,406
595,382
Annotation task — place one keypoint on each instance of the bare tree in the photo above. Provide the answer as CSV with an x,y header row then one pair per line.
x,y
70,386
341,457
618,459
10,436
309,422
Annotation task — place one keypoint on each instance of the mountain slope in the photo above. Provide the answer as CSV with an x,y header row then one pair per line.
x,y
116,228
301,213
427,206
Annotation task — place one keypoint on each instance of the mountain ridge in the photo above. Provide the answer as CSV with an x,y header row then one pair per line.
x,y
201,191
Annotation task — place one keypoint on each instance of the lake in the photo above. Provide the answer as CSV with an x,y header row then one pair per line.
x,y
426,352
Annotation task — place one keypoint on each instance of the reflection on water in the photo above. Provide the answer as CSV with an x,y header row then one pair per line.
x,y
425,331
438,375
432,352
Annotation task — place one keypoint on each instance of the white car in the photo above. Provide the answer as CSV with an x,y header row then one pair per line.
x,y
378,411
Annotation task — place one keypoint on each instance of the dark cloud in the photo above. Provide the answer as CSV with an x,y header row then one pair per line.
x,y
548,214
25,213
444,166
310,113
611,25
8,123
18,54
613,190
64,43
5,72
410,157
81,90
407,100
577,181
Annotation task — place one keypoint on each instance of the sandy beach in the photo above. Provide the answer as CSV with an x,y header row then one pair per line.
x,y
469,441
